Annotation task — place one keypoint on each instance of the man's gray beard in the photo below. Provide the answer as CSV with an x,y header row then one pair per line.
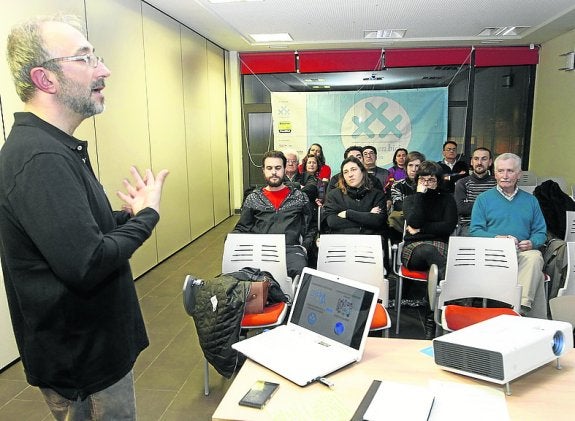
x,y
78,99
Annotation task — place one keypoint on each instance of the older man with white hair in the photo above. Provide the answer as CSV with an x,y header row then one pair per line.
x,y
507,211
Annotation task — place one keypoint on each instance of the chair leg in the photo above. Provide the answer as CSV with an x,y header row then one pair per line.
x,y
398,302
206,378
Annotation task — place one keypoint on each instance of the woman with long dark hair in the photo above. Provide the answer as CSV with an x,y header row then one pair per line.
x,y
324,173
312,168
354,207
397,172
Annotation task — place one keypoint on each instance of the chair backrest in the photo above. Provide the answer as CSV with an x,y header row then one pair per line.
x,y
569,285
527,182
529,189
559,180
569,226
354,256
263,251
483,268
528,178
563,308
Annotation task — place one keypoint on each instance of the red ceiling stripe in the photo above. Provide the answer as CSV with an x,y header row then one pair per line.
x,y
418,57
339,61
506,56
272,62
369,60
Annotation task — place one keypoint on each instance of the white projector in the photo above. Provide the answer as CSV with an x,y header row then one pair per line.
x,y
503,348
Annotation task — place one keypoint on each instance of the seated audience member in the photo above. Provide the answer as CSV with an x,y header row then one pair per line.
x,y
399,191
354,207
310,177
292,174
294,179
325,171
356,151
431,217
397,171
507,211
370,163
468,188
453,168
279,209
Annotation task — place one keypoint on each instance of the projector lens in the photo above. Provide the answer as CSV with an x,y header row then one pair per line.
x,y
558,343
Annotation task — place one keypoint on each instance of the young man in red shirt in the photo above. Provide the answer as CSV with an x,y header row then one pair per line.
x,y
279,209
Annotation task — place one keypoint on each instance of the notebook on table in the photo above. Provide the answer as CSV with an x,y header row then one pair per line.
x,y
327,329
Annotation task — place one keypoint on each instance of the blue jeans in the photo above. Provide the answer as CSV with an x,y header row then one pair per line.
x,y
117,402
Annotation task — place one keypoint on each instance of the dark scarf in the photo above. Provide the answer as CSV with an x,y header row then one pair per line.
x,y
357,193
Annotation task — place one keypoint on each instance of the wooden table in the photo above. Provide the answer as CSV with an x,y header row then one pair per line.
x,y
544,394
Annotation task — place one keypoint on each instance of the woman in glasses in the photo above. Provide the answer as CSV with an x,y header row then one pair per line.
x,y
430,218
354,207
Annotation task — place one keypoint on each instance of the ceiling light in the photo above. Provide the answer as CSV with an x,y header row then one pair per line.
x,y
279,37
384,34
492,41
230,1
502,31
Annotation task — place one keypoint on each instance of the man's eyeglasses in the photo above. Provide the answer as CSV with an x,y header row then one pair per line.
x,y
368,153
291,161
90,59
450,149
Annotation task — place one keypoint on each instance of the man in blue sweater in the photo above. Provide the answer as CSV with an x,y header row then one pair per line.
x,y
507,211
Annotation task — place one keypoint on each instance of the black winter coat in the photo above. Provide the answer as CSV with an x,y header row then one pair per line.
x,y
357,203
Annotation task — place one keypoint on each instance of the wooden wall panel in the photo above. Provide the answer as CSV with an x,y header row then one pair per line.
x,y
122,130
198,146
218,124
167,126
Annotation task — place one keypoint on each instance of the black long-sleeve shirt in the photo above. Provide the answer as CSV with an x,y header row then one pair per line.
x,y
70,290
358,205
433,212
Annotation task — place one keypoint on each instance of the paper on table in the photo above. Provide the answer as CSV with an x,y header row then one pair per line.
x,y
454,401
400,401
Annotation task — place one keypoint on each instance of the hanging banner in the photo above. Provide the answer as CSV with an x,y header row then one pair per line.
x,y
414,119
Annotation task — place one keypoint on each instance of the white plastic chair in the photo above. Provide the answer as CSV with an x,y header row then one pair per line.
x,y
477,268
528,178
358,257
569,286
559,180
569,226
263,251
563,308
528,181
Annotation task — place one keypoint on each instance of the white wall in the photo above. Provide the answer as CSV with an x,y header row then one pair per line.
x,y
553,132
